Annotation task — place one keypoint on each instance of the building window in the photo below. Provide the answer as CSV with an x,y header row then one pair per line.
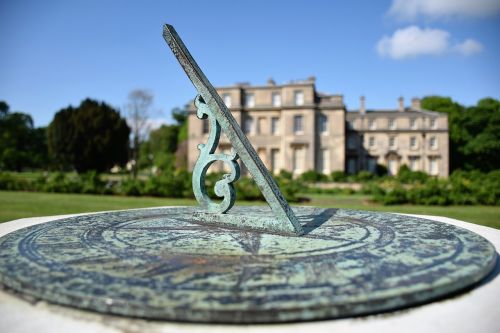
x,y
299,156
413,123
433,166
262,155
275,125
433,142
433,123
276,99
227,99
248,125
275,160
371,142
372,164
413,142
392,166
413,163
392,124
298,97
351,166
324,161
261,125
350,124
205,126
351,142
392,142
298,124
249,100
323,124
372,124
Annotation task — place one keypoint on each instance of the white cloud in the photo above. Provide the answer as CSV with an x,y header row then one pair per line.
x,y
412,41
411,9
469,47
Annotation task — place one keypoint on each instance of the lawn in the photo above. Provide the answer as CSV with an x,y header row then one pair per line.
x,y
15,205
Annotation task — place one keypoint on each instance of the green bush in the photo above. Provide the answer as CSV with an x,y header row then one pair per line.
x,y
313,176
338,176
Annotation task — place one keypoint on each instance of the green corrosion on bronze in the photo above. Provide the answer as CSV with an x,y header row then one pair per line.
x,y
166,264
211,106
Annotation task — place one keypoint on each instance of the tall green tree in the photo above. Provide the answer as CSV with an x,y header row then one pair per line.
x,y
161,147
21,144
92,136
474,132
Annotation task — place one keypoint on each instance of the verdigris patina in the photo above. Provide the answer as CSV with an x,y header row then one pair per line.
x,y
165,264
213,107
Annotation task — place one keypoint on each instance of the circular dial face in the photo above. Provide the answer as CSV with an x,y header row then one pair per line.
x,y
165,264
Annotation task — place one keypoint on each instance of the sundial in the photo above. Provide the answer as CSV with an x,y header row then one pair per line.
x,y
219,263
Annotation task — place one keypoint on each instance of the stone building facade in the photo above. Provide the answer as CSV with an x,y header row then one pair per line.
x,y
295,128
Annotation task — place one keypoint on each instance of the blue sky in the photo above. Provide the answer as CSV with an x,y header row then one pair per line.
x,y
56,53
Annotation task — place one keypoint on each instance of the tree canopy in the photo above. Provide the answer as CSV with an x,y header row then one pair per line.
x,y
474,132
21,145
92,136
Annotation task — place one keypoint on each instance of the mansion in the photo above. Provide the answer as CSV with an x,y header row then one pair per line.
x,y
295,128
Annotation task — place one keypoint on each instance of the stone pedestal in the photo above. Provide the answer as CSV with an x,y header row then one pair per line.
x,y
476,310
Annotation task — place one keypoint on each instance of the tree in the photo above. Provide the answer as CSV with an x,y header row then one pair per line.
x,y
162,147
92,136
474,132
21,145
139,109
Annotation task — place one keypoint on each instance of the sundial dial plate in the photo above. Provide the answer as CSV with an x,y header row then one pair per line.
x,y
162,264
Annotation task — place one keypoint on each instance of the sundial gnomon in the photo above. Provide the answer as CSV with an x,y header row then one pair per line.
x,y
240,264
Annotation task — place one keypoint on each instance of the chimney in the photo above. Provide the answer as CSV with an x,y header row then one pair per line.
x,y
270,82
312,79
415,104
362,109
401,101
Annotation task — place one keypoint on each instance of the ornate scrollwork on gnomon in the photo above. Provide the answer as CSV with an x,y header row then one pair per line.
x,y
224,188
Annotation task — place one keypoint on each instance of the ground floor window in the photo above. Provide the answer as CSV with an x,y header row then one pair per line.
x,y
275,161
414,161
299,157
372,164
323,161
351,165
392,166
433,166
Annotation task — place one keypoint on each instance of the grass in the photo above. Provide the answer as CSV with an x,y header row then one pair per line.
x,y
16,205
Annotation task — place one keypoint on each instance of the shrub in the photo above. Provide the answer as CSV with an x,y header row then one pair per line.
x,y
313,176
338,176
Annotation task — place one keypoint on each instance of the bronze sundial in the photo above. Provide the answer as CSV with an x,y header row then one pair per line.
x,y
240,265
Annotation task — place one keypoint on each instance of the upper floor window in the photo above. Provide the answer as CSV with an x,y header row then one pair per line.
x,y
249,100
298,124
433,142
392,142
205,126
298,97
261,125
433,123
227,99
323,124
372,124
275,125
350,124
392,124
413,142
276,99
371,142
248,125
413,123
